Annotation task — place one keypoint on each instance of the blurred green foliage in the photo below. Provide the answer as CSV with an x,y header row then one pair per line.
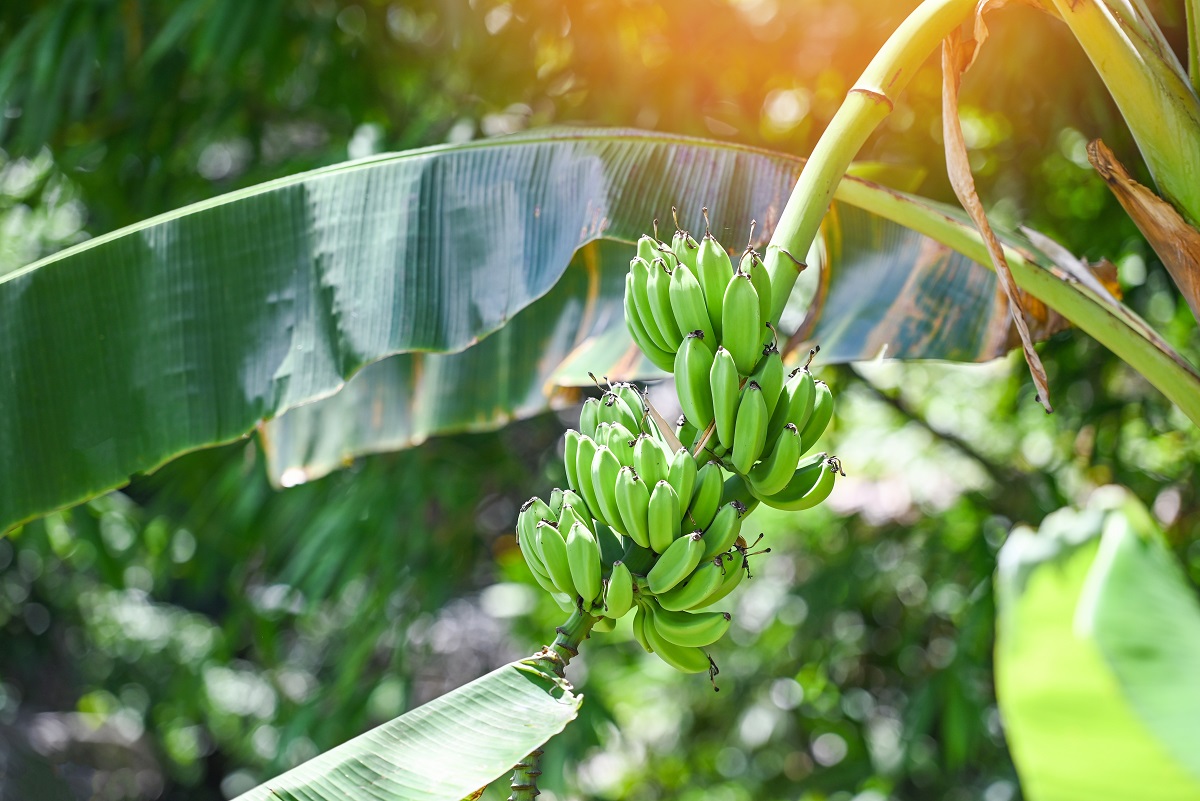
x,y
198,632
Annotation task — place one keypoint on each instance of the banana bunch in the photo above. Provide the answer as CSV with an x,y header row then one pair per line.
x,y
692,313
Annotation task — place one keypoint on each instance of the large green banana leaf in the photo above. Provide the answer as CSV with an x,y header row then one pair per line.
x,y
192,328
1098,658
442,751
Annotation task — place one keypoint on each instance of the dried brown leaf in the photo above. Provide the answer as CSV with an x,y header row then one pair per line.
x,y
1175,242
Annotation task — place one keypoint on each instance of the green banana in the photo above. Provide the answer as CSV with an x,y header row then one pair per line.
x,y
769,375
798,493
695,629
795,404
662,516
705,580
605,468
533,511
647,248
725,385
633,501
651,459
569,517
681,475
556,501
687,302
705,499
553,551
589,417
683,658
662,359
742,325
658,289
570,451
773,473
685,248
752,265
733,574
713,271
617,438
586,453
692,365
583,558
668,256
639,628
724,530
576,502
822,413
819,491
639,289
676,563
604,625
614,409
750,429
635,401
618,592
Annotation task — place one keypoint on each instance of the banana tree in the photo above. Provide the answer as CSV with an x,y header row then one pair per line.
x,y
338,312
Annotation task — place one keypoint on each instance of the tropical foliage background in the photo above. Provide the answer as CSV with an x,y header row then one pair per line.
x,y
199,631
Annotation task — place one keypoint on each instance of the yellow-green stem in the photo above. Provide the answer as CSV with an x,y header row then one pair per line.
x,y
1110,325
868,104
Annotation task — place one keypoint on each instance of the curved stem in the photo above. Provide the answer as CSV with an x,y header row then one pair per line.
x,y
558,654
868,104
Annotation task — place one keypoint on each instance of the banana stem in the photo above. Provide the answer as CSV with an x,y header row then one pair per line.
x,y
559,654
1193,29
868,104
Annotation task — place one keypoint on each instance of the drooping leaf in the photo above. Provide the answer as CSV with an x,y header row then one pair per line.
x,y
192,328
442,751
1097,646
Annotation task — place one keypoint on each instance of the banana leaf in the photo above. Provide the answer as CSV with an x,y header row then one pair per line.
x,y
442,751
193,328
1096,653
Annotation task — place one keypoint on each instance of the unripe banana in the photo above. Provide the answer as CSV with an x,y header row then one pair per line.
x,y
773,473
618,593
676,563
687,302
819,491
750,430
723,532
668,256
605,468
685,249
647,248
604,625
658,289
692,365
651,459
583,474
639,288
576,502
570,451
742,328
694,629
769,375
726,388
633,502
735,570
614,409
681,475
803,481
618,439
685,432
752,265
583,558
662,516
819,419
589,417
683,658
533,511
568,517
705,581
713,271
796,404
662,359
639,628
705,499
556,501
635,401
553,551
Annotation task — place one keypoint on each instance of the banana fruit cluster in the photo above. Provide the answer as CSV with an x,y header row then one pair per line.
x,y
694,315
